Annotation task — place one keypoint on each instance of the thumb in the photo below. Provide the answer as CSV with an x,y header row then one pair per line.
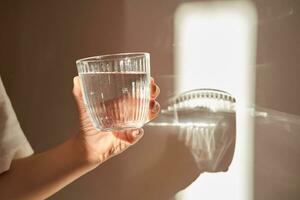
x,y
135,135
78,95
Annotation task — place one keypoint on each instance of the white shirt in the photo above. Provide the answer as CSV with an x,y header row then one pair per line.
x,y
13,143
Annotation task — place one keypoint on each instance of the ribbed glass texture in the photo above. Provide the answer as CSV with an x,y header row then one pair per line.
x,y
116,89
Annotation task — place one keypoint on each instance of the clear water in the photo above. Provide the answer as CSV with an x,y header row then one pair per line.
x,y
116,100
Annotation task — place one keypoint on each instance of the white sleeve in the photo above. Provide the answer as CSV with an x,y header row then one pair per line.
x,y
13,143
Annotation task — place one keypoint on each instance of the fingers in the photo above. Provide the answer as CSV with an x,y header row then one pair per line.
x,y
154,106
153,110
154,89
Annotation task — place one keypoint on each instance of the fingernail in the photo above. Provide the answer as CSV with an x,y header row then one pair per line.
x,y
138,134
157,90
75,80
152,80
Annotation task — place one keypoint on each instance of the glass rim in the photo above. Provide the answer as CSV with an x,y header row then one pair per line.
x,y
114,56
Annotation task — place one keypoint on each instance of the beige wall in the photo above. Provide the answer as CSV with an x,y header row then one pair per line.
x,y
277,160
40,41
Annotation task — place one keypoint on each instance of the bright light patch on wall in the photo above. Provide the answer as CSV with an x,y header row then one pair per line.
x,y
215,48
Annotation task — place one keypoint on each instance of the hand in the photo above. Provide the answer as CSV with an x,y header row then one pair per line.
x,y
100,146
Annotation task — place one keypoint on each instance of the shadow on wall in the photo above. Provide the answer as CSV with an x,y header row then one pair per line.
x,y
158,167
187,152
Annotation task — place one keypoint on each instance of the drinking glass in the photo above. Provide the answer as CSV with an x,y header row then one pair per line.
x,y
116,89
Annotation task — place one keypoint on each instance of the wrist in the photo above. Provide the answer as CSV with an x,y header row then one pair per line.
x,y
85,153
89,148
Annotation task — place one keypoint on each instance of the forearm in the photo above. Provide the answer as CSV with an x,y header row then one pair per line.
x,y
39,176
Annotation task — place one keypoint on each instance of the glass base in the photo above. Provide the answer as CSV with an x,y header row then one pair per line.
x,y
120,127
